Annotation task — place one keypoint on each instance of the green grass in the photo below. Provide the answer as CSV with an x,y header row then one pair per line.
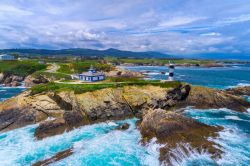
x,y
20,68
81,88
82,66
52,76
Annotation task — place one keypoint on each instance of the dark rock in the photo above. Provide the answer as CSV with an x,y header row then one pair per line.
x,y
50,128
30,81
15,84
61,103
59,156
172,130
7,80
124,126
205,98
15,118
17,78
245,90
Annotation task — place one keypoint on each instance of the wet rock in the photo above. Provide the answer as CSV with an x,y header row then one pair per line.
x,y
15,84
244,90
173,130
124,126
50,128
59,156
10,80
204,98
15,118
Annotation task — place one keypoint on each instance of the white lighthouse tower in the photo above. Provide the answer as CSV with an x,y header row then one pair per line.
x,y
171,71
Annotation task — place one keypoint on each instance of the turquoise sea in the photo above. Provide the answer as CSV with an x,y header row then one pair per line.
x,y
100,145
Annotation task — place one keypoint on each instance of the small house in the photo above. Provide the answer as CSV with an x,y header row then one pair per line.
x,y
92,75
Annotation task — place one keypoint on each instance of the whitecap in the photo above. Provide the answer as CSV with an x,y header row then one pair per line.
x,y
152,73
112,123
184,154
232,117
238,85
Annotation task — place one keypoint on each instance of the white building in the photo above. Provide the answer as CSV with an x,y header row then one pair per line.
x,y
91,76
6,57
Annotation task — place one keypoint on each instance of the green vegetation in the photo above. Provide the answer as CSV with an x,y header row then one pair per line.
x,y
52,76
20,68
156,61
81,66
81,88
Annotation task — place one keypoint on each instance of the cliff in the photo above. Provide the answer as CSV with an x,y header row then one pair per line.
x,y
155,106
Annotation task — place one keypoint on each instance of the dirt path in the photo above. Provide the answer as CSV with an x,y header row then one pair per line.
x,y
54,68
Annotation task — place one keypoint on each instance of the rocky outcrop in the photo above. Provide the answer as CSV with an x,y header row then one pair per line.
x,y
69,110
205,98
119,72
173,130
63,111
30,80
10,80
243,90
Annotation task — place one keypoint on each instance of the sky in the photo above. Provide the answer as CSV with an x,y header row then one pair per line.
x,y
169,26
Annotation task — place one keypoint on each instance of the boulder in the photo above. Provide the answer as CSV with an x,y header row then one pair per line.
x,y
124,126
30,81
15,84
50,128
174,130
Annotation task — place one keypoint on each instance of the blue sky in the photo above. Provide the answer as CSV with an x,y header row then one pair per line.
x,y
170,26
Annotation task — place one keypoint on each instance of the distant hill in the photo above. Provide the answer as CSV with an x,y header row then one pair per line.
x,y
86,53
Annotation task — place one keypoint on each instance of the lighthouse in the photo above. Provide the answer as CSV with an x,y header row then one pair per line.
x,y
171,72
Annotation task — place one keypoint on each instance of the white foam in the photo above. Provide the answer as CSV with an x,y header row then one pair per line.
x,y
112,123
248,110
232,117
152,73
238,85
185,154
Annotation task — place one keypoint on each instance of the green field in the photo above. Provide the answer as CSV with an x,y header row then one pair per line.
x,y
81,88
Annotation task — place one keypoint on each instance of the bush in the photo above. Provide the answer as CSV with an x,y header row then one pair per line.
x,y
18,68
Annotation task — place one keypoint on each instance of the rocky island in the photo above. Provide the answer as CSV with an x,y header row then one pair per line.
x,y
157,105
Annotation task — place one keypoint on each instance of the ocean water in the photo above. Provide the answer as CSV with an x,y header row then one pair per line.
x,y
8,92
97,144
218,77
234,138
101,145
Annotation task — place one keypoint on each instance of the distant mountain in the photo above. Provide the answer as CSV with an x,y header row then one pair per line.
x,y
86,53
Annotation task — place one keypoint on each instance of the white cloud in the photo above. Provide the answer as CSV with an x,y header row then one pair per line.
x,y
237,19
158,25
177,21
211,34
